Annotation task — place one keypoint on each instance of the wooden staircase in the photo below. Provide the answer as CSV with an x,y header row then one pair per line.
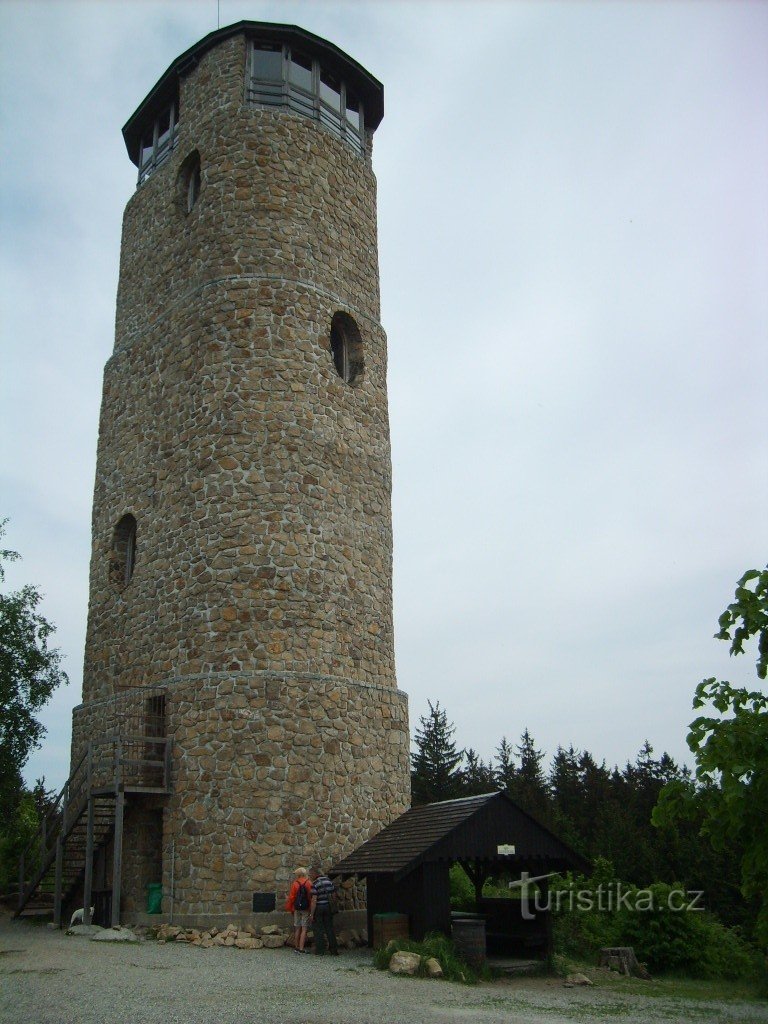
x,y
86,815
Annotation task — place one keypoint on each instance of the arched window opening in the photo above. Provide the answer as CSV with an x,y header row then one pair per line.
x,y
189,182
123,559
347,348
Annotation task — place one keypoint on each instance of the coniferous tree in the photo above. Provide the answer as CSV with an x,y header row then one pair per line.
x,y
567,795
531,791
435,772
506,772
477,777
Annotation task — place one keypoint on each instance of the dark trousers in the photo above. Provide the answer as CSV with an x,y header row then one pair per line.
x,y
324,931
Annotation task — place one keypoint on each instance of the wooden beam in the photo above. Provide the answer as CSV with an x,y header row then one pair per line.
x,y
117,857
88,882
58,883
544,889
477,876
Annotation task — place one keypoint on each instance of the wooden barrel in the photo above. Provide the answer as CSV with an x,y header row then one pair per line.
x,y
469,939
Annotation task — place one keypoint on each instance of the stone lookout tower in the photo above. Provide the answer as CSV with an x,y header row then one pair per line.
x,y
240,711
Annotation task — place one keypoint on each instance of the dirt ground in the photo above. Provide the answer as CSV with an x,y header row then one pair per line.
x,y
47,977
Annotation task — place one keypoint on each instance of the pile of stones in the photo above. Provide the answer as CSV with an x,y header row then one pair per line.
x,y
403,962
269,936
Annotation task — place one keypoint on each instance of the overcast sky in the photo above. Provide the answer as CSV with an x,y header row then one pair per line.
x,y
573,222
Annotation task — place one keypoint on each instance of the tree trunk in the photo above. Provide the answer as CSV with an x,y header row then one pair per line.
x,y
623,959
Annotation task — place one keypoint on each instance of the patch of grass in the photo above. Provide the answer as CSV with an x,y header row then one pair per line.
x,y
665,986
439,947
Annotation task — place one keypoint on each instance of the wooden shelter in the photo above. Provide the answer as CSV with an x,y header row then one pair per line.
x,y
406,868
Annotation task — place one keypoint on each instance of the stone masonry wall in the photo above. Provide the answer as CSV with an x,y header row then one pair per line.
x,y
267,773
259,480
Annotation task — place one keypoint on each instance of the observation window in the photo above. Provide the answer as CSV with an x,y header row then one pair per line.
x,y
158,141
283,77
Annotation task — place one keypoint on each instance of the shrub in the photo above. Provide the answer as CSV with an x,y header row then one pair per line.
x,y
666,940
693,943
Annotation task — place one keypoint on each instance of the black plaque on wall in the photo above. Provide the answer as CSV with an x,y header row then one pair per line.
x,y
263,902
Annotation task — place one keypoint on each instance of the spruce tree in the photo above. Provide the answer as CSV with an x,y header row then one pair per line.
x,y
435,773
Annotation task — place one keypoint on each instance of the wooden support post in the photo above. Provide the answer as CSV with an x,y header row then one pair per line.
x,y
477,876
88,882
167,768
117,857
118,763
59,872
545,902
64,808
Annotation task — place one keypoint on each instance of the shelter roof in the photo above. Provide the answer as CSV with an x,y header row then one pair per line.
x,y
490,828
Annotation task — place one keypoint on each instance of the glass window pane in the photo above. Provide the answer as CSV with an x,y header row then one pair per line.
x,y
300,71
330,90
145,154
163,128
268,63
353,111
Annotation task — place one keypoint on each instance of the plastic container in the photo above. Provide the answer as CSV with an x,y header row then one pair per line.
x,y
155,898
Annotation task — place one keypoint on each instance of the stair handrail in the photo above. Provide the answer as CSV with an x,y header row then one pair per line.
x,y
53,813
66,808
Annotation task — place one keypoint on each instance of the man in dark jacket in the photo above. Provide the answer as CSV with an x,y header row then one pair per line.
x,y
321,912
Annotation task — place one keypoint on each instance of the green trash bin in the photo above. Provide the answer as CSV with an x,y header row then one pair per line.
x,y
155,898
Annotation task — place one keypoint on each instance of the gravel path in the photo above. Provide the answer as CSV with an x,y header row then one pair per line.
x,y
47,977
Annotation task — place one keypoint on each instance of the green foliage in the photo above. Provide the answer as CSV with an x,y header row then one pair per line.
x,y
747,616
667,939
462,890
731,752
434,945
29,673
17,833
694,943
19,829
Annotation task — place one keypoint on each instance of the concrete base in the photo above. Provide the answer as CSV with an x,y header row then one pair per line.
x,y
344,919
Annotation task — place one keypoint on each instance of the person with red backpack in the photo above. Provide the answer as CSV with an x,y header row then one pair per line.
x,y
298,902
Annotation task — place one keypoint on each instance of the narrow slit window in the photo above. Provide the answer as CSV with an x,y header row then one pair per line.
x,y
123,556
